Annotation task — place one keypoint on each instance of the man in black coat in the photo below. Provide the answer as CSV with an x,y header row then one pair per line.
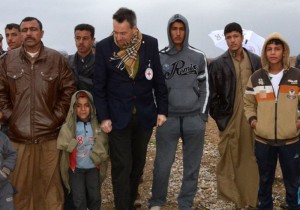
x,y
131,98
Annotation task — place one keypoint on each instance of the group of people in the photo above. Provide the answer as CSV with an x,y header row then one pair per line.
x,y
65,117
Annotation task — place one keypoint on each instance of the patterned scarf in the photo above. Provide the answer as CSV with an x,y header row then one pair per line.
x,y
128,55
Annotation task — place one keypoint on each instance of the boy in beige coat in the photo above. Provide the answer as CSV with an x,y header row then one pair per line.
x,y
84,152
271,107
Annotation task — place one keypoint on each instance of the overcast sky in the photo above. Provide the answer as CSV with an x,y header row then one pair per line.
x,y
59,18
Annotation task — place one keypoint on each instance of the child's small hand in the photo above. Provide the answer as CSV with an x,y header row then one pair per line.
x,y
253,124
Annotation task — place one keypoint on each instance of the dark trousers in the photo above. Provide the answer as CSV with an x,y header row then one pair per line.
x,y
68,204
85,186
289,159
6,196
128,149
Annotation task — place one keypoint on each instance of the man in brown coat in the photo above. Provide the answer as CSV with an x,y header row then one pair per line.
x,y
36,85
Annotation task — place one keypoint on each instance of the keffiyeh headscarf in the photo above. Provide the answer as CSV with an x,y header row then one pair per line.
x,y
128,55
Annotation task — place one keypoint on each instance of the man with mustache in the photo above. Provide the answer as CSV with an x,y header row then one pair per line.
x,y
13,36
36,85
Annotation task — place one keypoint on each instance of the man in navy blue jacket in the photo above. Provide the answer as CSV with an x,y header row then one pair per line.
x,y
131,98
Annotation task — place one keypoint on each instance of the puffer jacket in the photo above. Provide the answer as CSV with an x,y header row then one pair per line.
x,y
8,158
276,117
222,83
35,94
67,142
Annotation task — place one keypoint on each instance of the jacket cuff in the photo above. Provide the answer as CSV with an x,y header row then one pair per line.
x,y
72,145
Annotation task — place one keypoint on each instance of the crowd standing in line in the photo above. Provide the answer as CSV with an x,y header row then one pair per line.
x,y
135,89
186,77
237,172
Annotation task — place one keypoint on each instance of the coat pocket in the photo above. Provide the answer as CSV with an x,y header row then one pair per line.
x,y
17,81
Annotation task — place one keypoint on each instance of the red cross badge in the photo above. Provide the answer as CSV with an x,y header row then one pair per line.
x,y
149,74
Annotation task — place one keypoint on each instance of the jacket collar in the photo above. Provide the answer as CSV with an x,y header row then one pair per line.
x,y
42,54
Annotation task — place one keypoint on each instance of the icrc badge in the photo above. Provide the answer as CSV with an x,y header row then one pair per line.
x,y
149,74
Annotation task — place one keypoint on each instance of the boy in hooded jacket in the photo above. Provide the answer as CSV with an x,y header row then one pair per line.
x,y
186,76
271,107
84,152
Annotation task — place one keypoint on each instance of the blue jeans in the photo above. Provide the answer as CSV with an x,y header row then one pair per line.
x,y
289,157
191,130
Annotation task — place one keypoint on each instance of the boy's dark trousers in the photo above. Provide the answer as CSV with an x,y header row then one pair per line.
x,y
6,196
289,159
85,186
68,204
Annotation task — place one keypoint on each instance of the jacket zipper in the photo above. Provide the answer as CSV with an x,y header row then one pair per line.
x,y
32,101
276,100
276,104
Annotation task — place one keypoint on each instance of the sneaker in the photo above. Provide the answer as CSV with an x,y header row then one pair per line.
x,y
155,208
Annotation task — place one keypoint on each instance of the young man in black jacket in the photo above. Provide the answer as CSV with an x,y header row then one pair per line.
x,y
237,173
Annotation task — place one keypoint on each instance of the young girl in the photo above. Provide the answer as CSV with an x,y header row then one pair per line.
x,y
84,152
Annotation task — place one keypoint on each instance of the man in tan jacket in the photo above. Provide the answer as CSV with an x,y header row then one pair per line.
x,y
271,107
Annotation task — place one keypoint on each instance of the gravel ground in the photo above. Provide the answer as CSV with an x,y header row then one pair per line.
x,y
206,197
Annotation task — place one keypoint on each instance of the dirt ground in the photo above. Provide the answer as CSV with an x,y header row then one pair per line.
x,y
206,197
